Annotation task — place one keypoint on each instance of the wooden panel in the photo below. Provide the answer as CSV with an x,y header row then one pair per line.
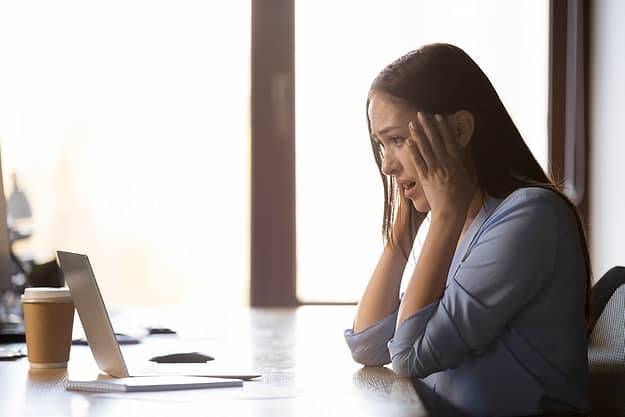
x,y
557,84
568,95
301,353
273,155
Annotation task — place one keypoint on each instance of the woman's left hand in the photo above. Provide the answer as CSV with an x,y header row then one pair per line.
x,y
444,168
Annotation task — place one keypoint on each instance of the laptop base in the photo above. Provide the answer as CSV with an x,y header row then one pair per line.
x,y
12,333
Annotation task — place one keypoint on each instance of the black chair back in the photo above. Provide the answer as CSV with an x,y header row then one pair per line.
x,y
606,351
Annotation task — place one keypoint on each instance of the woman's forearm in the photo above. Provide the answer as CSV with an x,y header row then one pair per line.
x,y
381,296
428,279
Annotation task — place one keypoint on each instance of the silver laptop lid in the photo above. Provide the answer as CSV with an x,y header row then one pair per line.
x,y
95,320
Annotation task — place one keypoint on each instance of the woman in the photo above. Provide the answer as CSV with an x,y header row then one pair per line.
x,y
493,317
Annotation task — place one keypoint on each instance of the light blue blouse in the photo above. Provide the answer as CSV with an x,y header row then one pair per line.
x,y
508,336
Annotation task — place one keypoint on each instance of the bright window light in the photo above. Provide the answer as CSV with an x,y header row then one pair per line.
x,y
127,123
340,47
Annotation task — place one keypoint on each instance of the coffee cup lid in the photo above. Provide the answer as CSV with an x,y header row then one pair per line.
x,y
46,294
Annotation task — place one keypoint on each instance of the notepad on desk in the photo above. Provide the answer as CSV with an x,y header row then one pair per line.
x,y
150,383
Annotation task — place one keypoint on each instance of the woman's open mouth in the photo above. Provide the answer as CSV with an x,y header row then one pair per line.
x,y
409,189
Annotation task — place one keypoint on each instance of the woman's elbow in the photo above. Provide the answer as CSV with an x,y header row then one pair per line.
x,y
401,365
408,364
372,358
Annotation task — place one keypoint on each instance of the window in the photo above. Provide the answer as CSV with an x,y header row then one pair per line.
x,y
127,124
339,50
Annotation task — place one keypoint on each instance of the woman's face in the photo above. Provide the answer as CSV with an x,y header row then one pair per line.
x,y
388,118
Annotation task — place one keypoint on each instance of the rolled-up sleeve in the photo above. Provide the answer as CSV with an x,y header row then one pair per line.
x,y
511,259
369,346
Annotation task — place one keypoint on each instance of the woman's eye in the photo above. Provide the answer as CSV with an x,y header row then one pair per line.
x,y
396,140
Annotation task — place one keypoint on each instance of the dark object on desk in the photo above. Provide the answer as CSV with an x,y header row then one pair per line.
x,y
160,330
38,275
10,354
47,274
190,357
122,339
12,333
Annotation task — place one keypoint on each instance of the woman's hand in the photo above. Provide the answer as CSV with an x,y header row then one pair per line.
x,y
444,168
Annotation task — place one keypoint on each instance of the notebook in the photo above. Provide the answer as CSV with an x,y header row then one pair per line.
x,y
158,383
96,323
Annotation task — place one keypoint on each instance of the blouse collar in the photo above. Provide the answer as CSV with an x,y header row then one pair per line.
x,y
488,207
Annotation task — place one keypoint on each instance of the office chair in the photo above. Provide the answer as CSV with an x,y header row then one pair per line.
x,y
606,345
603,290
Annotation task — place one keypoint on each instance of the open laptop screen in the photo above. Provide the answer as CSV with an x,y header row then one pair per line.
x,y
92,312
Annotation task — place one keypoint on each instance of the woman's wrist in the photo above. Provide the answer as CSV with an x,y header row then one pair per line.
x,y
449,218
405,234
428,278
396,252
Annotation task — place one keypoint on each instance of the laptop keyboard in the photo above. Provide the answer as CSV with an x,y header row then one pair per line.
x,y
12,333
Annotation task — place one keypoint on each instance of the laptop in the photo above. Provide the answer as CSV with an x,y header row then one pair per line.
x,y
98,330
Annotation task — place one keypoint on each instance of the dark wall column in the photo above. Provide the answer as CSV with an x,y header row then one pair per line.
x,y
273,154
568,99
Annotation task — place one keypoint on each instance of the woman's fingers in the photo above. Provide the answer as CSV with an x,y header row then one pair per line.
x,y
435,145
454,149
431,129
451,144
415,152
422,143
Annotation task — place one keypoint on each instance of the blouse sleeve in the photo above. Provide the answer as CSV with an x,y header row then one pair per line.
x,y
512,257
369,346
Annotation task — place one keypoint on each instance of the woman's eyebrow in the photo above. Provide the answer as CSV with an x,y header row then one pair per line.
x,y
386,130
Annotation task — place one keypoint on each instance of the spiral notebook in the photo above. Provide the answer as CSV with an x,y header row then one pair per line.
x,y
150,383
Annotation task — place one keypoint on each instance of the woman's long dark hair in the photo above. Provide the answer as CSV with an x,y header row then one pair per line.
x,y
443,79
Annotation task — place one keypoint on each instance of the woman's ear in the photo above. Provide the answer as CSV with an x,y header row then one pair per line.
x,y
462,125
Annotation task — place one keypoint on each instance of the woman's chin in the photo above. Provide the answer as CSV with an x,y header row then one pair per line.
x,y
421,204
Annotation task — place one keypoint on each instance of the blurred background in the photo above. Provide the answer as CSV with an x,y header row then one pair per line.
x,y
128,125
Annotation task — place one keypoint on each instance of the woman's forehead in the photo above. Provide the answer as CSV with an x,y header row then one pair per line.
x,y
387,111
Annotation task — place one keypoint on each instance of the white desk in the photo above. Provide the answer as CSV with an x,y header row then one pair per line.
x,y
306,366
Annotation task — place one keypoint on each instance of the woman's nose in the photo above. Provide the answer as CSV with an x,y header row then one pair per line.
x,y
389,165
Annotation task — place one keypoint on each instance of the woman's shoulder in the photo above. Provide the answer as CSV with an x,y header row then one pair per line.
x,y
535,203
537,197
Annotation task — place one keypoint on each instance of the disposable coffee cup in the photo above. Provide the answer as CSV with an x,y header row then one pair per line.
x,y
48,321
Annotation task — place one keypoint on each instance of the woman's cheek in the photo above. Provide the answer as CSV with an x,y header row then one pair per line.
x,y
421,203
